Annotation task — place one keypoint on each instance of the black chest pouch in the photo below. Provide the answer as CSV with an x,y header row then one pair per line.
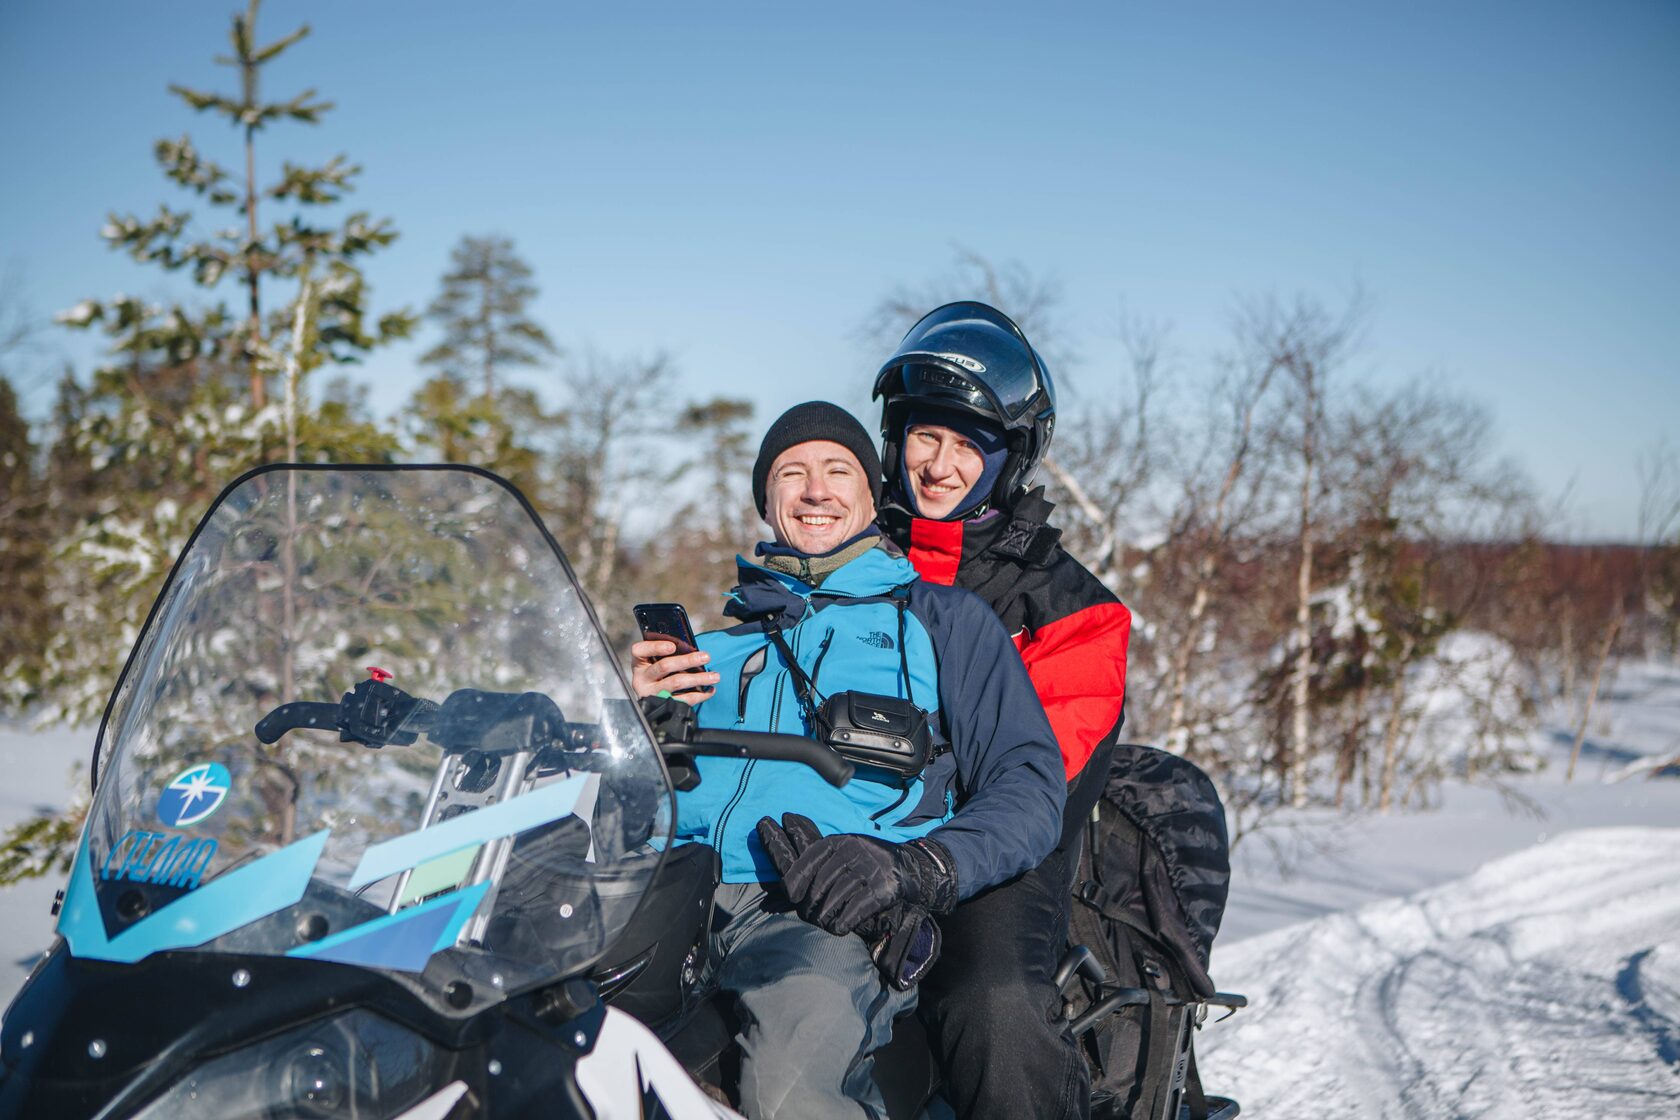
x,y
887,732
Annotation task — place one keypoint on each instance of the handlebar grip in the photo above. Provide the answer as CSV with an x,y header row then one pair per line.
x,y
298,713
820,757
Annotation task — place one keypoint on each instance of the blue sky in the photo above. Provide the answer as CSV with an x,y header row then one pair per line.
x,y
739,183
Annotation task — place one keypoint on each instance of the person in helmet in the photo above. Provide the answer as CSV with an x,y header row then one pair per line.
x,y
967,413
832,610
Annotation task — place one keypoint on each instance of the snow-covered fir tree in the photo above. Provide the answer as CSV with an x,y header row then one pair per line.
x,y
193,392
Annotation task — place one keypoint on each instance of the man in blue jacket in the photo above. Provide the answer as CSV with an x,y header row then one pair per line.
x,y
831,607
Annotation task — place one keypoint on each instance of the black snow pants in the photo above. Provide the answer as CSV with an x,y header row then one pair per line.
x,y
990,1004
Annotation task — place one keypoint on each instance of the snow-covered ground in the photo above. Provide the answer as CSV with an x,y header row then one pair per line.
x,y
1546,984
37,768
1504,955
1509,954
1332,862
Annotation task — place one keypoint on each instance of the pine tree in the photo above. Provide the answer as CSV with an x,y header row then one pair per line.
x,y
482,312
187,398
717,518
467,412
447,423
23,535
322,259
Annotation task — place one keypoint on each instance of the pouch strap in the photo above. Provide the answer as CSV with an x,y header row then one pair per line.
x,y
806,689
901,600
803,686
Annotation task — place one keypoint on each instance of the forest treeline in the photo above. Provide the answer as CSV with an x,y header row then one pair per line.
x,y
1342,594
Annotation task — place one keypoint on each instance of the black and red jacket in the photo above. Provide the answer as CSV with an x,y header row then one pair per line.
x,y
1071,630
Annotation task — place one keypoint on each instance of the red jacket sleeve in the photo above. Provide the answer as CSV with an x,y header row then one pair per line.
x,y
1078,666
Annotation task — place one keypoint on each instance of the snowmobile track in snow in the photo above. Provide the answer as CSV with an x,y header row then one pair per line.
x,y
1631,987
1543,985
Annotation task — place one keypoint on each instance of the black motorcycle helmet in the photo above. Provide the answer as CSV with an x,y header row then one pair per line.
x,y
969,357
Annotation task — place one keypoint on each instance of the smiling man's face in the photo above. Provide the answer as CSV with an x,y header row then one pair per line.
x,y
817,497
942,466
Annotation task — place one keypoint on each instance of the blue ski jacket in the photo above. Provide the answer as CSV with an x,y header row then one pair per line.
x,y
994,799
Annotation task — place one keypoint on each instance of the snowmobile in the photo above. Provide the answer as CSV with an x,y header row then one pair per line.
x,y
449,893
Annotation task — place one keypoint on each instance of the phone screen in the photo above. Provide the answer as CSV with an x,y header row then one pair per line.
x,y
666,622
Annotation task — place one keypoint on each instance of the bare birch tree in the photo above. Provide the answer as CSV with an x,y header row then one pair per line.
x,y
1211,526
1307,344
1103,466
605,463
1032,300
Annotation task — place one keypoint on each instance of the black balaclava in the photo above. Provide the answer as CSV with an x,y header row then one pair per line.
x,y
992,444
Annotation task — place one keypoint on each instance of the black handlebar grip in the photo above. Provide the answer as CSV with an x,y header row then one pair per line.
x,y
298,713
820,757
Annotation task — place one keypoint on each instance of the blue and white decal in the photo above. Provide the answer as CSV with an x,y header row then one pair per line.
x,y
195,793
141,856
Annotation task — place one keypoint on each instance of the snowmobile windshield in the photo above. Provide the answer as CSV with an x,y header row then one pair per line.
x,y
373,721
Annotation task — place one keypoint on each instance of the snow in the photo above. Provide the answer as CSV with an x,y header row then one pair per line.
x,y
1511,954
1545,984
1336,863
37,766
84,312
1317,862
1503,954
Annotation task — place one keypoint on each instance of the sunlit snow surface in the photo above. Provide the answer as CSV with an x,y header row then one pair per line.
x,y
35,777
1545,984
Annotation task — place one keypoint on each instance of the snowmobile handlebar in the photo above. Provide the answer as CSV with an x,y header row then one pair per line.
x,y
377,714
373,713
295,715
680,736
820,757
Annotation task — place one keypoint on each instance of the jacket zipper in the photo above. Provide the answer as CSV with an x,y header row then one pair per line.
x,y
903,794
746,771
740,789
822,652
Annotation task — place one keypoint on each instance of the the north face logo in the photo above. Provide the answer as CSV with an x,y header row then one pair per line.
x,y
877,638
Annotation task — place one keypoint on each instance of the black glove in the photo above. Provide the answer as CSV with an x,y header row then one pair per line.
x,y
904,939
837,882
904,944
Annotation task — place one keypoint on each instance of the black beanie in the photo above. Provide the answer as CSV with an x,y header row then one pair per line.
x,y
815,420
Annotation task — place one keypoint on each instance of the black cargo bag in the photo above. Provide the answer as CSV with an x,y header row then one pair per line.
x,y
1147,900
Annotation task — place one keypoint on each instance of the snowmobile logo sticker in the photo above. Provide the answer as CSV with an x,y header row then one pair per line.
x,y
141,856
195,793
965,362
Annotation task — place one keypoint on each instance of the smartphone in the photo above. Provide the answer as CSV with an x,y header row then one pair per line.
x,y
667,622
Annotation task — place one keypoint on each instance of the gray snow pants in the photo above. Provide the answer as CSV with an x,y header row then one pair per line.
x,y
812,1010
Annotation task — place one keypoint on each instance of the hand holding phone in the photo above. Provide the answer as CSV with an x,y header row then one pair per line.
x,y
668,659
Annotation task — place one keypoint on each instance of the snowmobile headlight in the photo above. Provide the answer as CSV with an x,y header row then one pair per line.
x,y
356,1065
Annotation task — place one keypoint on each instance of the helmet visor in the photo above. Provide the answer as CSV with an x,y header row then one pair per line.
x,y
973,356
